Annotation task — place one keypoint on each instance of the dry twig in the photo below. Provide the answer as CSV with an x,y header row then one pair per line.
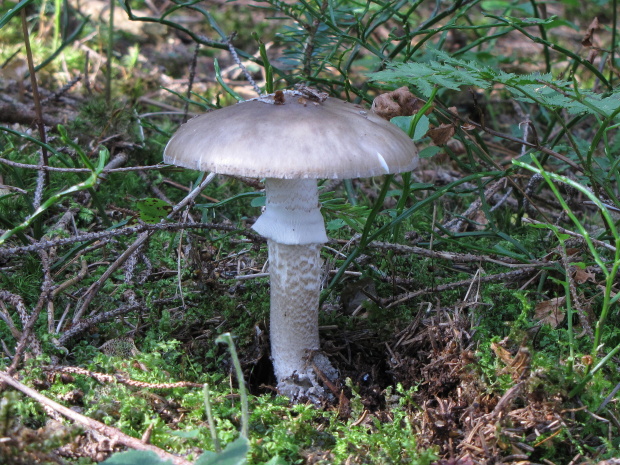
x,y
83,325
108,169
503,277
454,256
91,424
117,378
574,234
128,231
92,290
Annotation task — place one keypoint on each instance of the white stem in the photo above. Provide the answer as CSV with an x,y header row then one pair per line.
x,y
293,224
295,287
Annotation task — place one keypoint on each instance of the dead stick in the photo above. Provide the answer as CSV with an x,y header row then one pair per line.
x,y
510,275
573,233
35,93
28,329
103,235
453,256
142,238
91,424
4,161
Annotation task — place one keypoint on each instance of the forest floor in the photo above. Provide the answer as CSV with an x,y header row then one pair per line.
x,y
463,335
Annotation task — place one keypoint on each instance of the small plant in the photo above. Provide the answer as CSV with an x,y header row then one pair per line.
x,y
609,268
235,452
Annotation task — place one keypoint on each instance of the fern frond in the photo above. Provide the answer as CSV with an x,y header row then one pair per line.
x,y
542,88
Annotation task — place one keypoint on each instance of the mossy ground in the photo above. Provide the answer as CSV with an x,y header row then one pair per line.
x,y
473,373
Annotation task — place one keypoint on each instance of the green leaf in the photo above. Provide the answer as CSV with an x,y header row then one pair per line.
x,y
153,210
494,5
235,453
429,151
136,457
258,201
333,225
422,128
13,11
103,158
402,122
220,79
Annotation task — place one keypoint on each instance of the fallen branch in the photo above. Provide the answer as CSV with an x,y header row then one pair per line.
x,y
455,256
91,424
504,277
573,233
117,378
15,164
128,231
83,325
90,293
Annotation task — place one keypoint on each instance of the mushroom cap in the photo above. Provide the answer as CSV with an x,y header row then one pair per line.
x,y
297,139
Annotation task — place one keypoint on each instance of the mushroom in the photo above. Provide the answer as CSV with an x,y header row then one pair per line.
x,y
293,138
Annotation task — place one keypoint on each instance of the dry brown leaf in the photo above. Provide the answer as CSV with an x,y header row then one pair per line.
x,y
399,102
441,134
581,276
501,353
408,102
551,311
385,107
587,41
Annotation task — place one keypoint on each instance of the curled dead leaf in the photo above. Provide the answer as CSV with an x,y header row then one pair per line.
x,y
385,107
399,102
587,40
480,220
442,134
501,353
551,311
581,276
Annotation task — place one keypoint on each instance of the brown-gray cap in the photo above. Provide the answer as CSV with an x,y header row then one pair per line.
x,y
296,138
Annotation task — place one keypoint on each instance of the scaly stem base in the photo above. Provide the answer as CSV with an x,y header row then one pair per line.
x,y
295,273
